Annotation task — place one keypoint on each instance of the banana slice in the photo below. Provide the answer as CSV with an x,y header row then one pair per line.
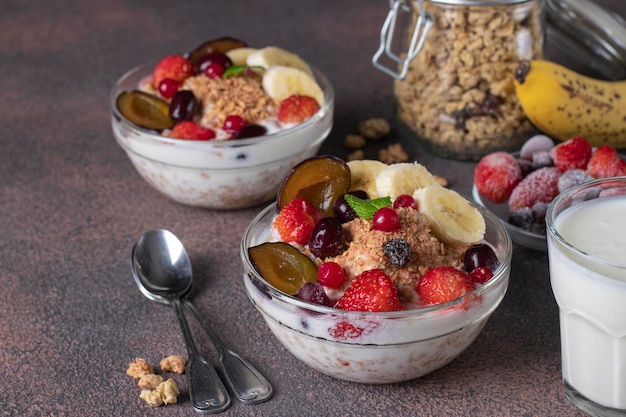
x,y
403,178
271,56
239,56
280,82
452,218
364,173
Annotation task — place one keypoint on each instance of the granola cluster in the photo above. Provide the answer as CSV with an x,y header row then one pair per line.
x,y
220,97
459,93
373,130
154,389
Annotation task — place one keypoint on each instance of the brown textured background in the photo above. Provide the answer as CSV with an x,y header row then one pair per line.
x,y
71,207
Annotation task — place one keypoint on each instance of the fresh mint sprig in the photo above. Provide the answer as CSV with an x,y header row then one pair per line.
x,y
365,209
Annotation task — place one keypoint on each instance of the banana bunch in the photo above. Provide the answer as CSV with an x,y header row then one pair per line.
x,y
285,73
452,218
563,103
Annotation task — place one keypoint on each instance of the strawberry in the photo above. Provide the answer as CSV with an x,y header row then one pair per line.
x,y
540,185
296,221
191,131
297,108
605,162
175,67
372,290
443,284
571,154
496,175
344,330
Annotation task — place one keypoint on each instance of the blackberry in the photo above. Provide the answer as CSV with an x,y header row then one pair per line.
x,y
398,251
522,218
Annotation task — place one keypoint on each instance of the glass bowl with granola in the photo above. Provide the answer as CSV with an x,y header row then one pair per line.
x,y
219,127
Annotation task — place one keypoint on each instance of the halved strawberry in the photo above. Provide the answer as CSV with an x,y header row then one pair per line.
x,y
297,108
296,221
175,67
443,284
571,154
605,162
191,131
372,290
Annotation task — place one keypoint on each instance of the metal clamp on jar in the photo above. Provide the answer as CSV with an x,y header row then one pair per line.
x,y
454,75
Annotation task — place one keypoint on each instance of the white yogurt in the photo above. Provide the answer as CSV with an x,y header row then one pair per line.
x,y
591,294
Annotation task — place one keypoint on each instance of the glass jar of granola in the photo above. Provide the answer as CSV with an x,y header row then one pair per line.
x,y
454,72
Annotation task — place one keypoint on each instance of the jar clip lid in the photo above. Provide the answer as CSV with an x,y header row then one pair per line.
x,y
423,23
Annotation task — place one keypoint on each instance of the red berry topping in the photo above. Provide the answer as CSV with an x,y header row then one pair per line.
x,y
386,220
313,292
192,131
297,109
496,175
214,70
168,87
296,221
214,59
175,67
405,200
541,185
443,284
572,154
234,123
481,274
605,162
372,290
331,275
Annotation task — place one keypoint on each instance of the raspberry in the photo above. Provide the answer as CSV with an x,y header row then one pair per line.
x,y
496,175
540,185
443,284
297,109
372,290
605,162
398,251
571,154
175,67
538,143
191,131
296,221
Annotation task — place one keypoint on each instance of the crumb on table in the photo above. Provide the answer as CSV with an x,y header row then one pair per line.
x,y
165,393
173,363
139,368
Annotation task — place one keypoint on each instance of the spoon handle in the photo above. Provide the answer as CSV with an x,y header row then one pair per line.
x,y
245,381
206,390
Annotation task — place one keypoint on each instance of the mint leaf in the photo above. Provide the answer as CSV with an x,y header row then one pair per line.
x,y
237,69
365,209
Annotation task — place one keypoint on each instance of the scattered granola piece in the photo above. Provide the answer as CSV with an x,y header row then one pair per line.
x,y
139,368
356,155
441,180
165,393
374,128
353,141
393,154
150,381
173,363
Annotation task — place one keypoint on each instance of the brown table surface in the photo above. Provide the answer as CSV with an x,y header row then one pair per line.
x,y
72,206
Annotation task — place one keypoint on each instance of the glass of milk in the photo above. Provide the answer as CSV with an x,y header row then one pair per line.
x,y
587,254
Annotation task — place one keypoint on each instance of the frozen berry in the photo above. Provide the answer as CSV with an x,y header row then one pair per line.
x,y
571,178
496,175
386,220
526,166
405,200
542,159
522,218
331,275
479,254
481,274
539,210
605,162
571,154
537,143
398,251
313,292
327,238
540,185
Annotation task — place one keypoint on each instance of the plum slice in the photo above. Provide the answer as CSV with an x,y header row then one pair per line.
x,y
144,110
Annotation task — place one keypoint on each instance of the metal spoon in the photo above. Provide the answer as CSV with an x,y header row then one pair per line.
x,y
248,385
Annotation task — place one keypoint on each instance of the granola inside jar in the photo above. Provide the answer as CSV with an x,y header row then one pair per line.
x,y
456,93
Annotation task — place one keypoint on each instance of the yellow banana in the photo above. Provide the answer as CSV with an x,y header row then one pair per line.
x,y
563,103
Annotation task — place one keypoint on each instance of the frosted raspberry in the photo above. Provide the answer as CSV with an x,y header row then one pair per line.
x,y
571,154
571,178
496,175
540,185
537,143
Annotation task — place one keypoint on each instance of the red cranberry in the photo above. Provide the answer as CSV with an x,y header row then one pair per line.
x,y
168,87
386,220
234,123
214,58
405,200
331,274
